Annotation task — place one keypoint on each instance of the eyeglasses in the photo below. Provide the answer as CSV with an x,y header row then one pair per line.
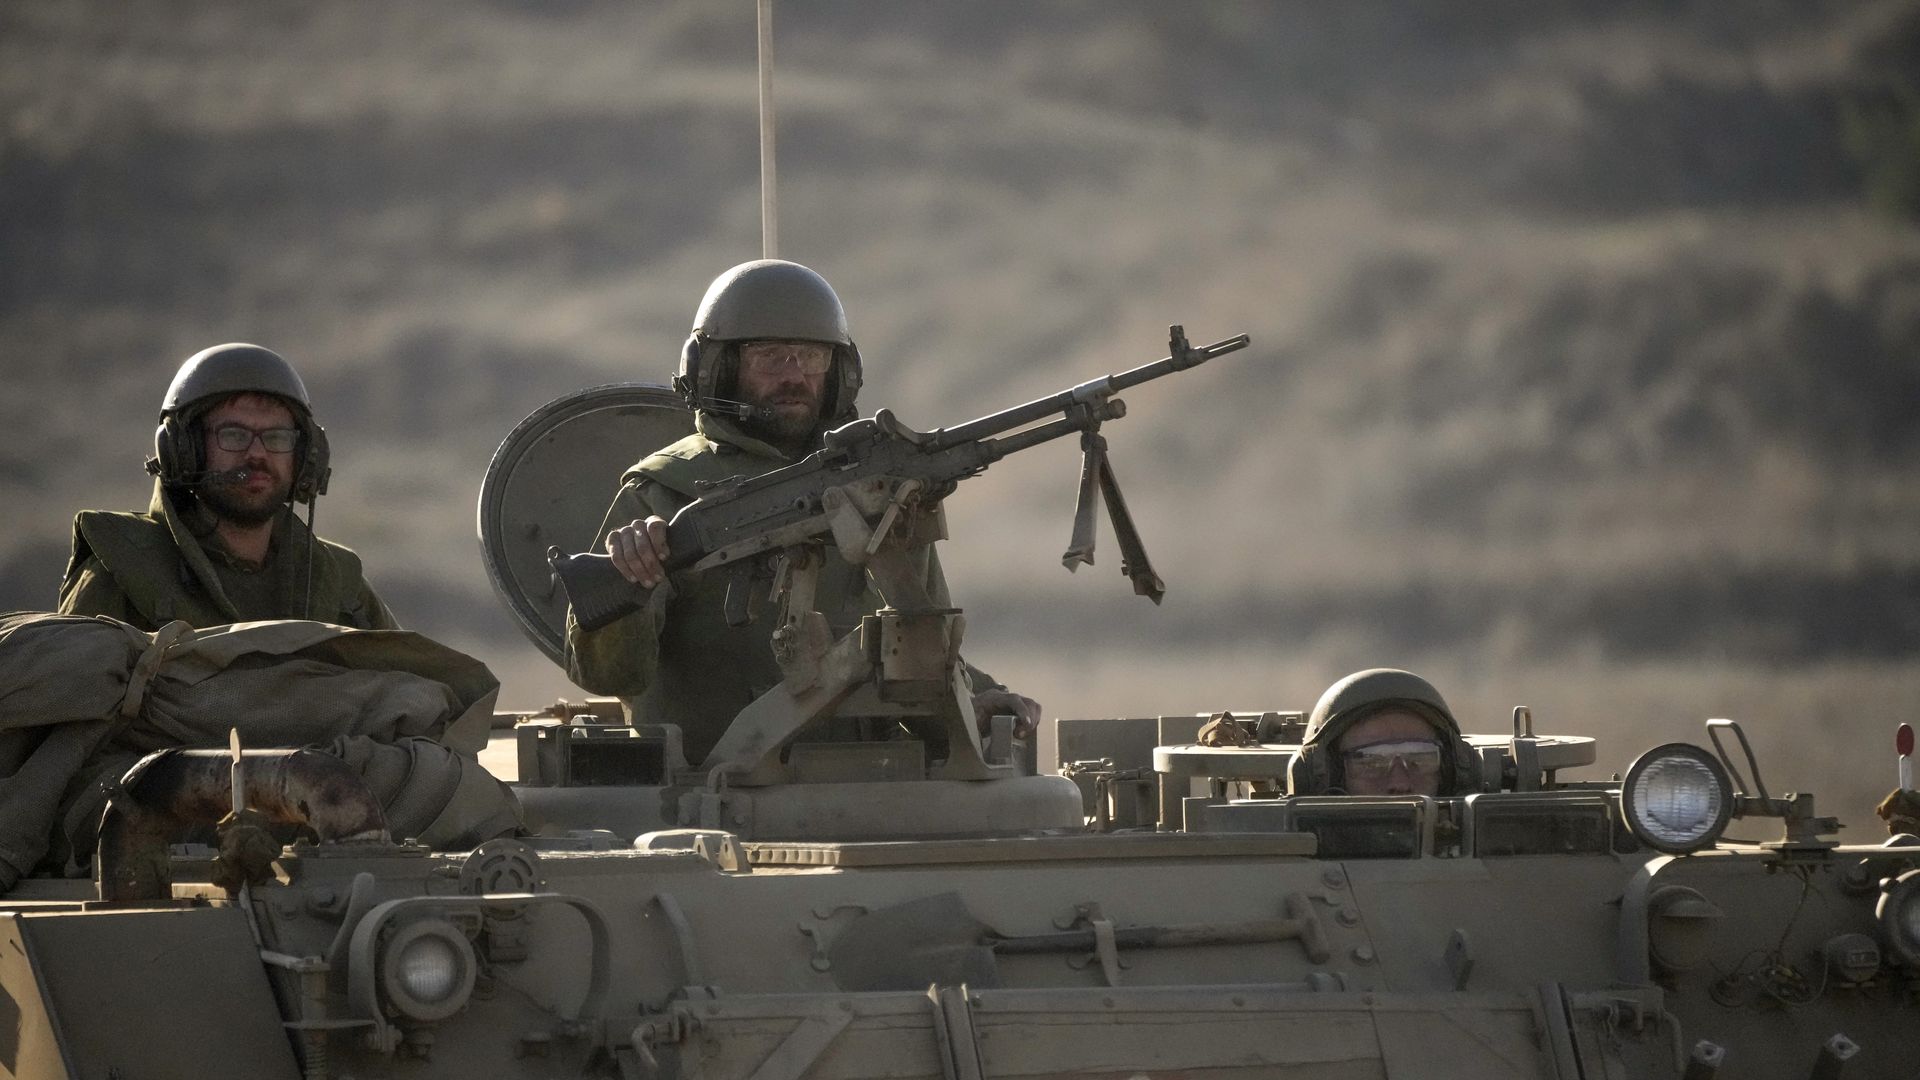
x,y
766,357
235,439
1420,757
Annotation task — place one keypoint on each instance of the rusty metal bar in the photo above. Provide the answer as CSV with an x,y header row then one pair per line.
x,y
172,790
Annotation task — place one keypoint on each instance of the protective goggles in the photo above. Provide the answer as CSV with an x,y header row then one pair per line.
x,y
1420,757
766,357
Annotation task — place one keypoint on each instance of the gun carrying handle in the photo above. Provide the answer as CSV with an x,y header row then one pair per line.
x,y
738,606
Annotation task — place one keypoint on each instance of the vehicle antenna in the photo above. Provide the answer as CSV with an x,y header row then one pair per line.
x,y
769,216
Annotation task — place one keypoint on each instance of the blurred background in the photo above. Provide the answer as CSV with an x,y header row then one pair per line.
x,y
1586,338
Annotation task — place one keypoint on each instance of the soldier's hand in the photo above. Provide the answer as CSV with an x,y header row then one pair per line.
x,y
990,703
638,548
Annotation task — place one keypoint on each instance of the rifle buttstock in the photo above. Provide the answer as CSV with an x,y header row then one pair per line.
x,y
594,589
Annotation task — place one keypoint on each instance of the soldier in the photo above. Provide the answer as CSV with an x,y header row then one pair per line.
x,y
768,369
236,448
1383,732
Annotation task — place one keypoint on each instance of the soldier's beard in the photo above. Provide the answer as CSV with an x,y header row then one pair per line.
x,y
783,428
232,503
782,424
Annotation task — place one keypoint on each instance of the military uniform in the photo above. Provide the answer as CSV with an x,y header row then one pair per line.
x,y
153,568
676,659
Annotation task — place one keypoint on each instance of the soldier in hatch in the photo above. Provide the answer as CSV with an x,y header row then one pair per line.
x,y
236,448
1383,732
768,369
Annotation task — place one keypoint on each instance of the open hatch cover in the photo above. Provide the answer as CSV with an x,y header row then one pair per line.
x,y
550,483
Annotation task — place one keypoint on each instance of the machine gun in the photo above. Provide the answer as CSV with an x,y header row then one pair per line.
x,y
874,488
880,466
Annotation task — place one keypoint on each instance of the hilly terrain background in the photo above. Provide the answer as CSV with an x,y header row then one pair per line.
x,y
1586,362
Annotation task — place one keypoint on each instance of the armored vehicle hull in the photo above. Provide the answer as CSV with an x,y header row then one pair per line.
x,y
921,904
692,952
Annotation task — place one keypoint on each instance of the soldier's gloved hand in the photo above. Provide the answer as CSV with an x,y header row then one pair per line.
x,y
1025,711
1901,811
638,548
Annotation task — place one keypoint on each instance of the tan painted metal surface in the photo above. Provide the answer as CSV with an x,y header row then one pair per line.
x,y
858,909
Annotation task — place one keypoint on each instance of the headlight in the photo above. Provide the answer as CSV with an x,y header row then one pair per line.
x,y
427,970
1899,914
1677,798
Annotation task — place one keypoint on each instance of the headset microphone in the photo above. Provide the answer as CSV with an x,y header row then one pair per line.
x,y
224,477
216,477
739,410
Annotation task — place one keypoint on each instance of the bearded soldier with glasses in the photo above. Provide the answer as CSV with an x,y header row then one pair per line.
x,y
237,448
767,370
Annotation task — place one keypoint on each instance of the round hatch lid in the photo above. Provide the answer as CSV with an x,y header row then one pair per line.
x,y
550,483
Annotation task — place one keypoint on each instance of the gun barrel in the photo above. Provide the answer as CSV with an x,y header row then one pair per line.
x,y
1085,393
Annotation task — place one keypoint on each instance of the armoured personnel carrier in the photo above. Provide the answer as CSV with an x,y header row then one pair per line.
x,y
933,906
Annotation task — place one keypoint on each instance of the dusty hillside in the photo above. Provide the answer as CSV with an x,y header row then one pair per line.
x,y
1585,368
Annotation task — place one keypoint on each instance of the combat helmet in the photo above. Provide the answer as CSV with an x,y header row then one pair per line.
x,y
760,300
213,375
1316,769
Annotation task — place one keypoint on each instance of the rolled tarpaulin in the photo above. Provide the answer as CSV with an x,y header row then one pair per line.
x,y
282,683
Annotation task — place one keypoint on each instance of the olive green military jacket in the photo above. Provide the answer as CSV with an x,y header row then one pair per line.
x,y
677,660
151,569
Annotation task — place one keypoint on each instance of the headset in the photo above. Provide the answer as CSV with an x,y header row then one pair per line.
x,y
180,450
767,299
1316,768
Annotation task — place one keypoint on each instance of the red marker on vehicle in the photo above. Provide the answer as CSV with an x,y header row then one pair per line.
x,y
1903,744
